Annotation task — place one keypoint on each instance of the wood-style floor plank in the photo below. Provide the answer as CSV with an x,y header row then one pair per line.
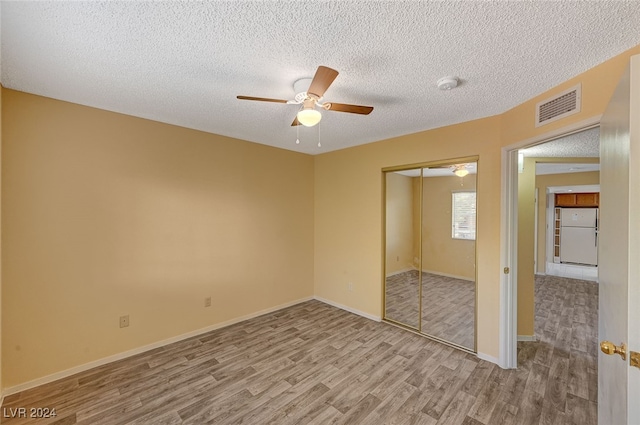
x,y
315,364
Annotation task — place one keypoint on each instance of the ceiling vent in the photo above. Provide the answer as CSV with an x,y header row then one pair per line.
x,y
562,105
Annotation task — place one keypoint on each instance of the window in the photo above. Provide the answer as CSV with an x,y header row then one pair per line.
x,y
463,215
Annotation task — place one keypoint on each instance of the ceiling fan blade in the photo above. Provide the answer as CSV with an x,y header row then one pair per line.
x,y
321,81
353,109
295,122
262,99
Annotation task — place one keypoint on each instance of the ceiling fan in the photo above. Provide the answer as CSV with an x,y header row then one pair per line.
x,y
309,93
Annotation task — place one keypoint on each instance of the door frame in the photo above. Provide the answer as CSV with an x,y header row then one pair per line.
x,y
508,354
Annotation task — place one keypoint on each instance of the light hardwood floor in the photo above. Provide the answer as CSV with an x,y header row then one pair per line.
x,y
315,364
448,305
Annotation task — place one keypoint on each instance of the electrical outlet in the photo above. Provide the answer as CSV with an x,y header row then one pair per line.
x,y
350,286
207,302
124,321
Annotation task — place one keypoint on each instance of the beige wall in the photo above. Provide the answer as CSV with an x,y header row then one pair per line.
x,y
526,199
348,202
399,216
440,252
106,215
542,183
348,205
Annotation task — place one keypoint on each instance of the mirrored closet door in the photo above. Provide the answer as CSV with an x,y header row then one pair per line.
x,y
430,250
402,221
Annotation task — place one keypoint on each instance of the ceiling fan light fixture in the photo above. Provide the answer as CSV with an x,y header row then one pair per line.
x,y
309,117
460,170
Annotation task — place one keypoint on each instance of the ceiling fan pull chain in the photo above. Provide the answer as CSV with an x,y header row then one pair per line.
x,y
297,134
319,145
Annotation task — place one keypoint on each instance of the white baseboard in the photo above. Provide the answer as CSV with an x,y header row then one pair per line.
x,y
109,359
527,338
491,359
349,309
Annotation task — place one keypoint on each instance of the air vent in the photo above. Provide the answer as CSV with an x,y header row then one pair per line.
x,y
562,105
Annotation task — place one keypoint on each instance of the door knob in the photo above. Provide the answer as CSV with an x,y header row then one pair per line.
x,y
610,348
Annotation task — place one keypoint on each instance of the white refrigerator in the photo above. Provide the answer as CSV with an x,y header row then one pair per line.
x,y
579,236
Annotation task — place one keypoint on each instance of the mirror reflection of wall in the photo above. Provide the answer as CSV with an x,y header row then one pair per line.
x,y
430,251
401,282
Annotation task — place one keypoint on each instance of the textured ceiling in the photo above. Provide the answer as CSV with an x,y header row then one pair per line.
x,y
585,144
564,168
184,62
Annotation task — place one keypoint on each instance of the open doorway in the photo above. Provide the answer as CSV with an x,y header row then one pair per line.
x,y
565,175
556,315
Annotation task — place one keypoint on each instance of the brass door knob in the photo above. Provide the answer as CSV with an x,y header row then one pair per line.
x,y
610,348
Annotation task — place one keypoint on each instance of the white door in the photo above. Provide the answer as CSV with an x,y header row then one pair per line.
x,y
619,251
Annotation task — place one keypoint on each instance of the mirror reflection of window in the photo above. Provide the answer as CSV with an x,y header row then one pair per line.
x,y
463,217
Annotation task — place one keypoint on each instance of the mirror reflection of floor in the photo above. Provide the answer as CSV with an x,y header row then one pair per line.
x,y
402,302
448,305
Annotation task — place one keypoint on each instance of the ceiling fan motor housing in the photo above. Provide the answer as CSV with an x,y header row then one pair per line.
x,y
300,87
